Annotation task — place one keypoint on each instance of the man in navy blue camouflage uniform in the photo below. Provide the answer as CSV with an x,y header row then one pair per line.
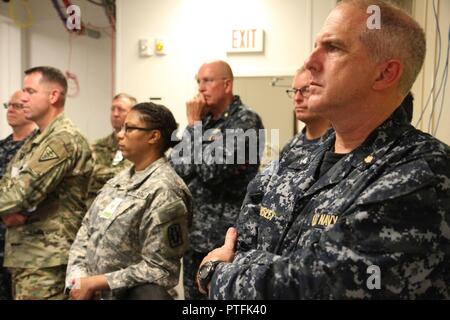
x,y
218,186
304,141
367,214
315,126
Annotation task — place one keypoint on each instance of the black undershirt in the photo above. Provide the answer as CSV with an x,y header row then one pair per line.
x,y
329,160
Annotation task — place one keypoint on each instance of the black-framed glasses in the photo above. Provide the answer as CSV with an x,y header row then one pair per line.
x,y
303,90
127,129
16,106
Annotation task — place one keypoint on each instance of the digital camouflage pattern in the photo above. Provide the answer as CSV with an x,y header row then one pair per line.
x,y
386,204
107,163
217,189
290,150
8,148
47,180
297,149
136,230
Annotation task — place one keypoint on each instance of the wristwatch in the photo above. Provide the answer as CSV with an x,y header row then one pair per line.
x,y
206,272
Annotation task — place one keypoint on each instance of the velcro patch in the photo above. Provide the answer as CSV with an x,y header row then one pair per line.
x,y
48,154
175,236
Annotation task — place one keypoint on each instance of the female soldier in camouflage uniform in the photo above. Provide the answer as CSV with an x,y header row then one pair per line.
x,y
136,229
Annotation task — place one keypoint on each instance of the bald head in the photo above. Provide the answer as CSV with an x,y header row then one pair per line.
x,y
215,84
221,69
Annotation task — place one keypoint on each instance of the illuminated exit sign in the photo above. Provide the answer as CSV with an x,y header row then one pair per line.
x,y
246,40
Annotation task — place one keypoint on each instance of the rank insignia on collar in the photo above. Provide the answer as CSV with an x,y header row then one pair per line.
x,y
369,159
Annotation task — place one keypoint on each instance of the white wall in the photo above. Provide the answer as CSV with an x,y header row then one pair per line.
x,y
47,42
10,66
10,62
197,31
200,30
423,12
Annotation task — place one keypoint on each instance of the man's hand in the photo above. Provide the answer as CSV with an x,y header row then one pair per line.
x,y
225,253
196,109
14,220
87,287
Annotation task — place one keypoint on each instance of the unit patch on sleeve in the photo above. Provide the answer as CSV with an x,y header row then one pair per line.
x,y
175,236
48,154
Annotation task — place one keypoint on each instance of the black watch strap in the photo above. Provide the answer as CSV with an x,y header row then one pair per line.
x,y
206,272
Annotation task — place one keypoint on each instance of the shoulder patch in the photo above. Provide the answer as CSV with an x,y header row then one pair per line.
x,y
174,235
48,154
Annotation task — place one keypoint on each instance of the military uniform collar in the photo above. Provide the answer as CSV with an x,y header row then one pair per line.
x,y
323,144
52,125
232,108
135,183
376,144
112,142
380,140
369,153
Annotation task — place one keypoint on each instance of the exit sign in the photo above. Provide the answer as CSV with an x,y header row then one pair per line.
x,y
246,40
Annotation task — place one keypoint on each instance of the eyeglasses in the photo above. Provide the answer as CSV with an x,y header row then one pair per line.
x,y
128,128
208,81
303,90
15,106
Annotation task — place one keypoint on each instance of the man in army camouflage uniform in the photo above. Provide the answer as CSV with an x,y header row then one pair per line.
x,y
22,128
217,188
108,159
366,214
43,193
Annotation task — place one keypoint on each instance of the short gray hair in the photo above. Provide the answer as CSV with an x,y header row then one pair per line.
x,y
400,37
126,96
